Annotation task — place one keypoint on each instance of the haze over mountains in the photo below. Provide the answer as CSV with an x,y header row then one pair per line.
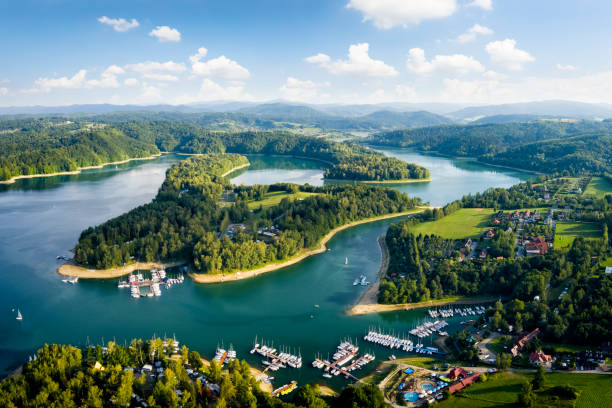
x,y
372,116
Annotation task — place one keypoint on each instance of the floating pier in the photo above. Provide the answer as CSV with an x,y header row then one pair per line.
x,y
152,287
275,359
346,353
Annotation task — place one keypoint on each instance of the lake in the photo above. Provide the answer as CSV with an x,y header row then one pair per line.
x,y
42,218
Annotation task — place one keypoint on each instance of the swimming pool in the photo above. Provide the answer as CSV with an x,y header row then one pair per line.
x,y
427,386
411,396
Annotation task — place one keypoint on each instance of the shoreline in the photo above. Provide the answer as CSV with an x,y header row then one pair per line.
x,y
242,166
240,275
77,171
370,295
402,181
70,268
364,309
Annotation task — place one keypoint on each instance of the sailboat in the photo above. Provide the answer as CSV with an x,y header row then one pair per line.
x,y
346,260
19,317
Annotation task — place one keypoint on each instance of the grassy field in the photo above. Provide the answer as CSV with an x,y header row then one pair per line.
x,y
271,199
502,390
607,262
566,232
462,224
423,362
598,187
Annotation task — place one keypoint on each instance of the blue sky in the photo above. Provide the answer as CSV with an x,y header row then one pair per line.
x,y
59,52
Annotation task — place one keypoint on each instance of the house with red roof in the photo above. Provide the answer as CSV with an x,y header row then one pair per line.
x,y
457,372
539,358
463,383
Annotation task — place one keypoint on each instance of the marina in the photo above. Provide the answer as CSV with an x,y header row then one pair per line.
x,y
391,341
141,287
276,360
450,312
346,353
223,356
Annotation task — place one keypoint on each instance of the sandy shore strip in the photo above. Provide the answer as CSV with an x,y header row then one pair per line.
x,y
242,166
64,173
402,181
70,268
379,308
219,277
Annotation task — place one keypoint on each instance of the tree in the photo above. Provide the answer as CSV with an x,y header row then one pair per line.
x,y
527,398
504,361
195,360
539,379
363,396
309,396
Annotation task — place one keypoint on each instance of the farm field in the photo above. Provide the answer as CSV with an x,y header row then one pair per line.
x,y
272,199
502,390
566,232
462,224
599,187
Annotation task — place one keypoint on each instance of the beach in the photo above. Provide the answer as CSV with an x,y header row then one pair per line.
x,y
370,296
70,268
363,309
64,173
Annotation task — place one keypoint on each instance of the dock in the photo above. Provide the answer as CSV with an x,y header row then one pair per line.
x,y
136,283
346,353
275,359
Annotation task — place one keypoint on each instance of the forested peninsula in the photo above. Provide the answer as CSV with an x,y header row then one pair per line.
x,y
38,148
546,146
199,217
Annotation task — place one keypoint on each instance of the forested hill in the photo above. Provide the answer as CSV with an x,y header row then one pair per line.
x,y
189,220
548,146
52,148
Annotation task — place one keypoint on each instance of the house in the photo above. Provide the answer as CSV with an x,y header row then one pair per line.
x,y
496,221
457,372
490,234
537,246
483,254
523,341
538,358
98,366
463,383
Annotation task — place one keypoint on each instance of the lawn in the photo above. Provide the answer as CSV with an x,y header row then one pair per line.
x,y
566,232
272,199
462,224
608,262
423,362
598,187
503,389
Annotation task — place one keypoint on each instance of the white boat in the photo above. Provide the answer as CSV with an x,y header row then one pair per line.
x,y
73,280
346,261
19,316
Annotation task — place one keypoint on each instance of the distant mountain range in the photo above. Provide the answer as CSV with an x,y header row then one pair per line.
x,y
348,117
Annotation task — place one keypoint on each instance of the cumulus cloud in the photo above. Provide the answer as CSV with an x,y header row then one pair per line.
x,y
212,91
119,24
359,63
161,77
221,67
506,54
473,32
458,64
297,90
48,84
154,66
131,82
406,92
386,14
166,34
483,4
567,67
108,79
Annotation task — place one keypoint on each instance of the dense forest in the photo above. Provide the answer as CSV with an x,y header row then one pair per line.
x,y
44,148
116,376
546,146
37,147
424,267
189,220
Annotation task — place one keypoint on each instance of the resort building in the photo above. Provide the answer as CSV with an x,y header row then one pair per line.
x,y
539,358
523,341
463,383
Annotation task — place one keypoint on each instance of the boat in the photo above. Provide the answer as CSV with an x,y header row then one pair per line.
x,y
19,316
285,389
73,280
346,261
326,375
356,282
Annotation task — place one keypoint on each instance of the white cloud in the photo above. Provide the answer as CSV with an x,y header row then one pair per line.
x,y
166,34
220,67
108,79
212,91
48,84
150,94
3,91
406,92
483,4
161,77
308,91
475,30
359,63
506,54
386,14
567,67
496,76
119,24
153,66
131,82
455,64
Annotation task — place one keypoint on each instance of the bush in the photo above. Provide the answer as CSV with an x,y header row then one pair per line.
x,y
565,391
